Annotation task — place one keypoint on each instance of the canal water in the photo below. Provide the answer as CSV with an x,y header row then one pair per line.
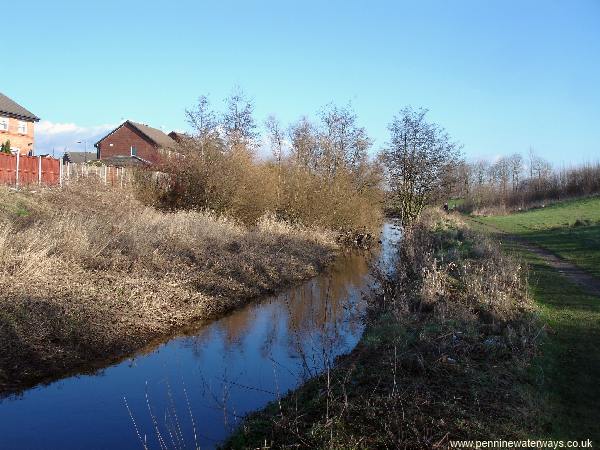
x,y
193,391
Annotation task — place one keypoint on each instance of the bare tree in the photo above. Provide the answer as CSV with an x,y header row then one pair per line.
x,y
277,139
203,121
305,144
238,121
516,169
419,157
343,142
480,170
501,174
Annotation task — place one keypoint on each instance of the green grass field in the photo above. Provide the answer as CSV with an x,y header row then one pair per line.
x,y
570,229
568,369
569,365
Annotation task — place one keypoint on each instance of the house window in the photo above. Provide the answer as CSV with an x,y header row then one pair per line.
x,y
22,127
133,150
3,123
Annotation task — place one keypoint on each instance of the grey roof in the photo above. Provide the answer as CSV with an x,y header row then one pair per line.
x,y
13,109
157,136
80,157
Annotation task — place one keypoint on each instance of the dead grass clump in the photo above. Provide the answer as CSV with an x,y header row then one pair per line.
x,y
445,356
89,273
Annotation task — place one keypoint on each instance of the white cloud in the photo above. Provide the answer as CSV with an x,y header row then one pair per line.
x,y
51,137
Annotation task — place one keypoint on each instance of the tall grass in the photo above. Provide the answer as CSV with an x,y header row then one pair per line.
x,y
89,272
445,356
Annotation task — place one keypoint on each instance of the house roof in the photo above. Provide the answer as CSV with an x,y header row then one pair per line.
x,y
157,136
13,109
80,157
154,135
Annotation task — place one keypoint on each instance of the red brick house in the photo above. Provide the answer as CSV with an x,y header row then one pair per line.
x,y
16,126
134,143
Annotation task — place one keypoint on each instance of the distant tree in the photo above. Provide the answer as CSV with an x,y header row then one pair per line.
x,y
418,159
501,174
238,121
479,171
516,169
203,121
463,179
277,139
305,149
343,142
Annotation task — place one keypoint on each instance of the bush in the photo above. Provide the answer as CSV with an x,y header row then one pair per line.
x,y
235,184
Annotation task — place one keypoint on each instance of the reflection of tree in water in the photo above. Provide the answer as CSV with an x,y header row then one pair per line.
x,y
266,348
321,313
317,308
325,297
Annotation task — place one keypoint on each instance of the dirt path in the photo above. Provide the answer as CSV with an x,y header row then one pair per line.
x,y
588,282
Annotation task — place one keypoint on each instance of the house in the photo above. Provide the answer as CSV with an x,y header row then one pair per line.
x,y
16,126
134,143
78,157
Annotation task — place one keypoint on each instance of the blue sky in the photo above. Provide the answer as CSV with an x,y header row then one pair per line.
x,y
500,76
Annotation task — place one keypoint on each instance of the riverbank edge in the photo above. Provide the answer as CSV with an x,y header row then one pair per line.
x,y
148,342
363,401
101,285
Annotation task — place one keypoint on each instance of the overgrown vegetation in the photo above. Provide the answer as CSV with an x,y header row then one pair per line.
x,y
319,175
89,274
446,355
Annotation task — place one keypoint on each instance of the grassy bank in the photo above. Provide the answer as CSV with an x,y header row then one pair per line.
x,y
89,274
447,354
568,369
569,366
570,229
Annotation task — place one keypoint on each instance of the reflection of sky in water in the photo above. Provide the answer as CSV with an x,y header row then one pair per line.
x,y
226,369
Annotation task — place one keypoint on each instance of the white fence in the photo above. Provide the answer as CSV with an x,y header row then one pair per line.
x,y
119,176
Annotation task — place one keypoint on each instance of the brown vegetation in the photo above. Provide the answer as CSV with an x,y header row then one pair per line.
x,y
320,174
89,273
444,356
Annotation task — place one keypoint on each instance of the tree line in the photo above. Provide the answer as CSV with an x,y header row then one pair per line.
x,y
518,181
324,172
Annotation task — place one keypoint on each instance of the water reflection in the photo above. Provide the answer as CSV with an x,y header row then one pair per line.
x,y
193,390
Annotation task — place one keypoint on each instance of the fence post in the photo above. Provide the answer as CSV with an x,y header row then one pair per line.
x,y
39,170
61,172
17,170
